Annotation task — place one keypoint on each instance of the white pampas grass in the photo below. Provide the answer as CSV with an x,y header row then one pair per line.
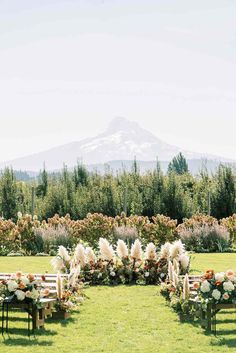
x,y
106,250
59,286
122,249
90,255
165,250
176,249
175,279
80,256
186,289
176,266
57,264
136,250
63,253
170,272
184,261
74,275
150,252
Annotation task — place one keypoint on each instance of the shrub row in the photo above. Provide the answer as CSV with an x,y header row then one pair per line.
x,y
29,236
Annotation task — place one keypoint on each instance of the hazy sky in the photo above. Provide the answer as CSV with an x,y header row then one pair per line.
x,y
67,67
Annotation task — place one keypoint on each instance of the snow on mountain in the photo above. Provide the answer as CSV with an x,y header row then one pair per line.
x,y
122,140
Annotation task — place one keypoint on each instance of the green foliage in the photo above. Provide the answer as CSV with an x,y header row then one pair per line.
x,y
178,165
8,192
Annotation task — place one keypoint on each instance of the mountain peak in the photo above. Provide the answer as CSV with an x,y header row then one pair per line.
x,y
121,123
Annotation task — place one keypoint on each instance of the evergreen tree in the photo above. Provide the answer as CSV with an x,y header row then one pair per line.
x,y
178,165
224,197
8,189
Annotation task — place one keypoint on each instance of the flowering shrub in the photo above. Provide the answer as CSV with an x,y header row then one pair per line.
x,y
21,287
230,224
206,237
218,287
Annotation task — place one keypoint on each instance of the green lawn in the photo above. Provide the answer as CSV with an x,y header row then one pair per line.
x,y
125,319
199,263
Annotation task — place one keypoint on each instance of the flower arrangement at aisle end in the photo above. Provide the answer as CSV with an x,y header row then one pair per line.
x,y
217,287
70,293
22,288
115,265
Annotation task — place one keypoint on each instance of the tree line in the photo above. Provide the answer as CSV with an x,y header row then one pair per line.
x,y
178,194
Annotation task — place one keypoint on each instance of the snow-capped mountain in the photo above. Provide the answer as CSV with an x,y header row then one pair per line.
x,y
122,140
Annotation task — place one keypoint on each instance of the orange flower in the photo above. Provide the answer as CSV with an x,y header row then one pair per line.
x,y
30,277
18,274
22,285
46,292
209,274
195,285
218,283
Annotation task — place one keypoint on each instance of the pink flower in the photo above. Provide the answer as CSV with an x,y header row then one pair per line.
x,y
226,296
230,274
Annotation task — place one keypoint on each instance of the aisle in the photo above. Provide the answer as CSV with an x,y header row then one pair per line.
x,y
131,319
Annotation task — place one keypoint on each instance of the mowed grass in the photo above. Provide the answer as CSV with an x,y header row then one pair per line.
x,y
37,264
121,319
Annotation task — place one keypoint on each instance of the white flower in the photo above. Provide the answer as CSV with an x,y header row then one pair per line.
x,y
150,253
63,253
176,249
216,294
136,250
90,256
25,280
228,286
100,275
19,215
122,249
220,277
112,273
20,294
12,286
35,294
205,287
165,251
147,274
184,261
106,249
80,255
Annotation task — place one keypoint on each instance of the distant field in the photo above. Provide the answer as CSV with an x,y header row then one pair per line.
x,y
199,263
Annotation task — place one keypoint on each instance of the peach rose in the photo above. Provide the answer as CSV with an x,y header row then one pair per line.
x,y
226,296
30,277
196,285
46,292
22,285
230,274
18,274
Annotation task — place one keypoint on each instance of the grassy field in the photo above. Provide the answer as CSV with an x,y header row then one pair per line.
x,y
199,263
122,319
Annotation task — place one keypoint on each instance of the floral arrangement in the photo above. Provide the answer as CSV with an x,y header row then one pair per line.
x,y
217,287
121,264
69,293
21,287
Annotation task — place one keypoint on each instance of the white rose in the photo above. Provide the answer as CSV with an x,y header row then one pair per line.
x,y
216,294
34,294
12,286
99,275
20,294
228,286
220,277
205,287
25,280
147,274
112,274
